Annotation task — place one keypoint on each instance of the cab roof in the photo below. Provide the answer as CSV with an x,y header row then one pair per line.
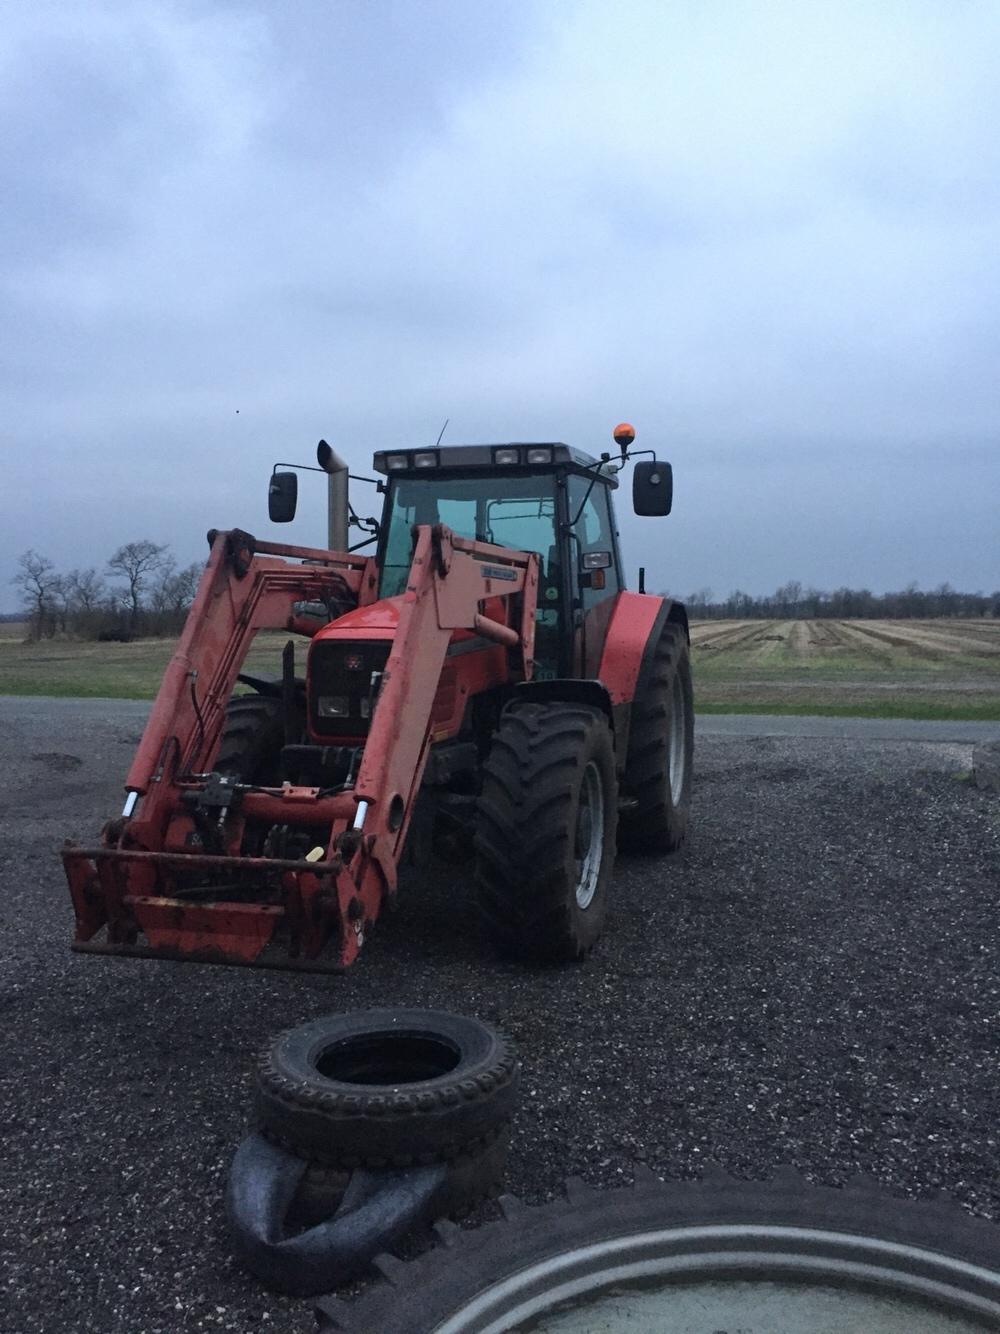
x,y
514,454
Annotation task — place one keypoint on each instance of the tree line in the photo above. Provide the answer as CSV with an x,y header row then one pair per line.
x,y
141,591
149,595
792,600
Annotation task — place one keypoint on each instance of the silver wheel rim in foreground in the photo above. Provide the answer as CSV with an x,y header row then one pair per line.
x,y
677,756
677,1263
589,835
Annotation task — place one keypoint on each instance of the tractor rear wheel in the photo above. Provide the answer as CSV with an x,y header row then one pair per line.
x,y
252,737
661,750
545,831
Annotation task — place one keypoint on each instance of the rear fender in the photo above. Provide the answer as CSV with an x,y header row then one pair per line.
x,y
636,624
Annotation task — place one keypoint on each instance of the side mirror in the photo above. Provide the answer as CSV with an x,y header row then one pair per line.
x,y
282,495
652,488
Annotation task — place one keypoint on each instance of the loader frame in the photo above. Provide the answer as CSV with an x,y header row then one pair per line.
x,y
169,879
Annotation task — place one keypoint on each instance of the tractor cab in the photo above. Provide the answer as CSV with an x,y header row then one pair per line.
x,y
545,498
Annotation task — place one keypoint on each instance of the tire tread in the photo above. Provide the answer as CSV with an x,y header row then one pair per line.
x,y
654,824
523,821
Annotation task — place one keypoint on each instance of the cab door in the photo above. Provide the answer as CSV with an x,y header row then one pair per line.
x,y
596,570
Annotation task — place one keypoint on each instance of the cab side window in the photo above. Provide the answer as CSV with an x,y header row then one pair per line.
x,y
398,551
594,532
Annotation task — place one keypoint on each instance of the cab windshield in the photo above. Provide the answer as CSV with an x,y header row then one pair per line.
x,y
517,512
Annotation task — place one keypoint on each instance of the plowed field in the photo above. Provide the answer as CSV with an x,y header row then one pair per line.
x,y
933,669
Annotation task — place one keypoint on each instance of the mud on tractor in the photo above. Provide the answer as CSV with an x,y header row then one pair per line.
x,y
484,684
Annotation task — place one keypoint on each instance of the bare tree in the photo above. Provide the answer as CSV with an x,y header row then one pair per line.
x,y
86,589
159,594
40,586
173,593
699,603
84,601
787,598
63,606
137,562
183,586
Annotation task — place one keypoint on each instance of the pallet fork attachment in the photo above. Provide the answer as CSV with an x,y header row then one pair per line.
x,y
153,887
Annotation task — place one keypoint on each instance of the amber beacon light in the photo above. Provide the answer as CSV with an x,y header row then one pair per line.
x,y
624,434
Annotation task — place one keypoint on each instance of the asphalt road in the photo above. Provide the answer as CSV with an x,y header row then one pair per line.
x,y
32,711
846,729
812,981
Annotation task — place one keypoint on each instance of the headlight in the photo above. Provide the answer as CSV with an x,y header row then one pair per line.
x,y
333,706
426,459
343,681
539,455
506,455
393,462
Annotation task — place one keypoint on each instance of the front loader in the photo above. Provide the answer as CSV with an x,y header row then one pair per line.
x,y
483,685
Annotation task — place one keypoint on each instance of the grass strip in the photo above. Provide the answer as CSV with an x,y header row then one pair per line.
x,y
987,711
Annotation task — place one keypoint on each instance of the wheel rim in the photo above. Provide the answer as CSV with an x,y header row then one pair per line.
x,y
742,1275
677,758
589,835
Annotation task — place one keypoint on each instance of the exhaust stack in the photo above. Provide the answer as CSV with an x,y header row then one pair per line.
x,y
337,507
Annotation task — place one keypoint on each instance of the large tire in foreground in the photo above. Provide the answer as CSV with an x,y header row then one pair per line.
x,y
545,830
660,750
251,741
697,1255
387,1088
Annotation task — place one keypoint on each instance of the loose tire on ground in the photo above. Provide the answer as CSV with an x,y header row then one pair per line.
x,y
473,1175
660,1254
387,1088
545,831
660,750
252,737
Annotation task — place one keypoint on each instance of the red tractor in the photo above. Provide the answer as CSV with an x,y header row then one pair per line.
x,y
483,682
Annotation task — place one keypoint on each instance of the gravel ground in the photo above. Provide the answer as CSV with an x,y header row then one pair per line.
x,y
813,981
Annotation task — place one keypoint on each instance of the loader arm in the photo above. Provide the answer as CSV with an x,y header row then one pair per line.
x,y
153,887
247,586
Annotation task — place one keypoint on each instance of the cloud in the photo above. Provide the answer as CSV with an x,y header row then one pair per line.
x,y
765,231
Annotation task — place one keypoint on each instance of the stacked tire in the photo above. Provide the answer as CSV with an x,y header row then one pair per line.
x,y
388,1090
369,1125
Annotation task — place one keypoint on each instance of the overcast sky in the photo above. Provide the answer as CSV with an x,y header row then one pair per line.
x,y
765,233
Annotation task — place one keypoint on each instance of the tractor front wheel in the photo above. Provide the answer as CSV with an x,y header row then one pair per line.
x,y
545,831
251,741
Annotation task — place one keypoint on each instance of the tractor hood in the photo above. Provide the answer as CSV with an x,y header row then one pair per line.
x,y
377,620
